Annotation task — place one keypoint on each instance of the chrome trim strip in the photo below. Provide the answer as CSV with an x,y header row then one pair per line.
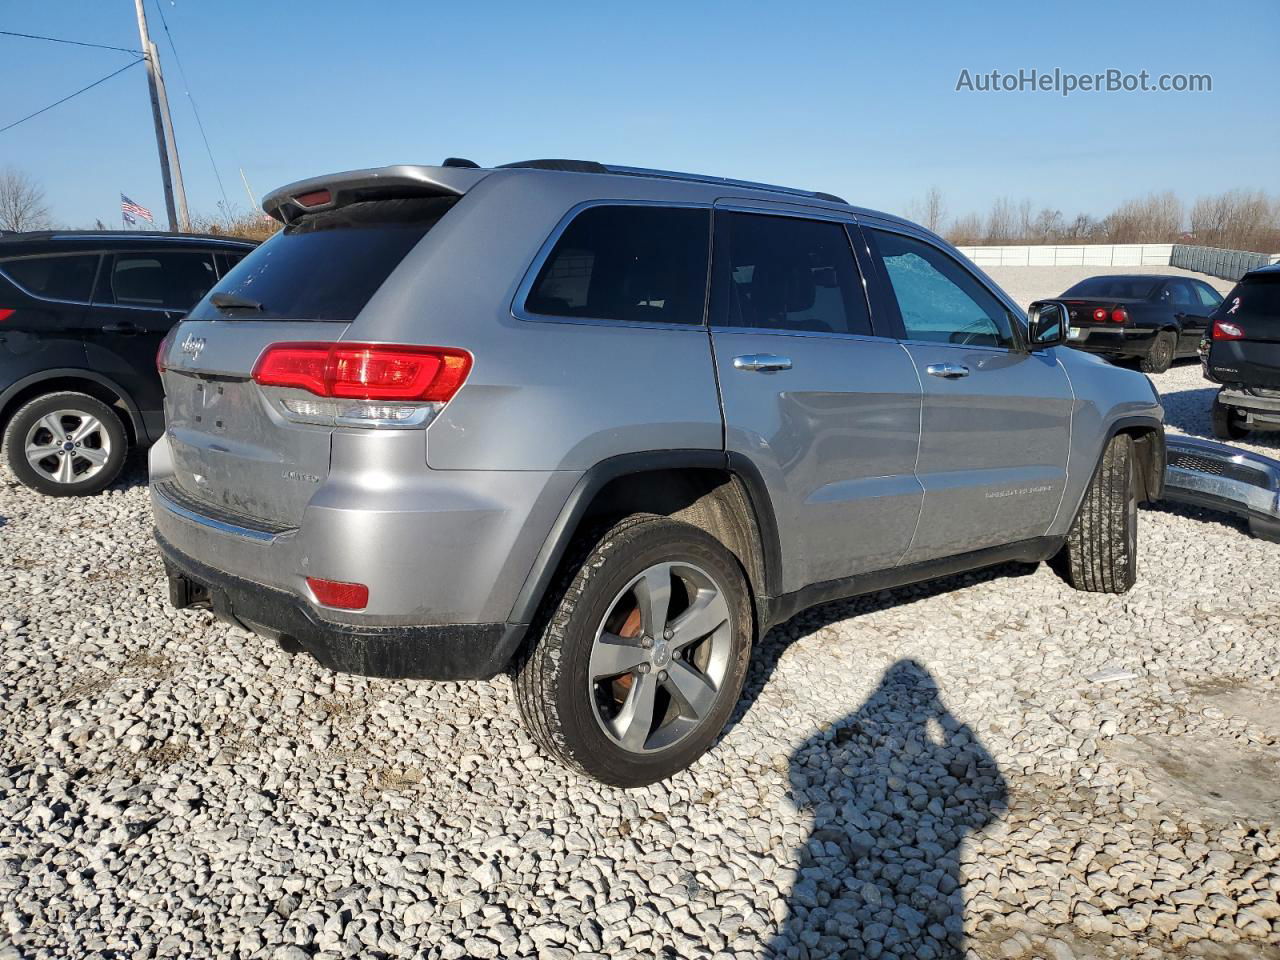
x,y
244,533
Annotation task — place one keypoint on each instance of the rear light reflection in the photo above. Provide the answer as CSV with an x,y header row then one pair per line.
x,y
163,349
1226,330
336,593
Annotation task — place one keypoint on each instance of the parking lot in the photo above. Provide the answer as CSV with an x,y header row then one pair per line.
x,y
1042,773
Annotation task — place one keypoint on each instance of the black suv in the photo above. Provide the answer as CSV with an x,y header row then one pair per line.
x,y
82,315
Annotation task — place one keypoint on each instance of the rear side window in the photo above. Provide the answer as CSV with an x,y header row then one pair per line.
x,y
58,278
327,265
627,262
787,274
165,281
1178,293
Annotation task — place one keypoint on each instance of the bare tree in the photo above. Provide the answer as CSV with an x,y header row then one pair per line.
x,y
1240,219
22,205
1047,227
1154,218
1002,222
965,230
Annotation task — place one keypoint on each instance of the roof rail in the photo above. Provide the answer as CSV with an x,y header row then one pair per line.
x,y
591,166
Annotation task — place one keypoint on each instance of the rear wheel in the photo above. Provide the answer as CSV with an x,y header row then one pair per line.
x,y
1161,355
1226,421
643,655
1101,552
66,444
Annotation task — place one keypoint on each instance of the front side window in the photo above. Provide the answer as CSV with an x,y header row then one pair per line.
x,y
1209,297
172,281
787,274
58,278
940,301
627,262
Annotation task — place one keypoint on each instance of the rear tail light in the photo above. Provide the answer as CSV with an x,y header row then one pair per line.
x,y
336,593
363,384
1226,330
163,350
6,313
365,371
1119,315
1100,314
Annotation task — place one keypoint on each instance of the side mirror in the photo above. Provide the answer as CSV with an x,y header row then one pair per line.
x,y
1046,324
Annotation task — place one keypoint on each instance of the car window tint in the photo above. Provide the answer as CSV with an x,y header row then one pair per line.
x,y
1209,297
635,263
940,301
1136,288
164,280
59,278
1178,292
788,274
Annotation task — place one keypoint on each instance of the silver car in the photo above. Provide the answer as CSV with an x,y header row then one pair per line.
x,y
604,426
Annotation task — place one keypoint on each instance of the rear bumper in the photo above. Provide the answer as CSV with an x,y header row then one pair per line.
x,y
1222,477
1115,341
463,651
1260,410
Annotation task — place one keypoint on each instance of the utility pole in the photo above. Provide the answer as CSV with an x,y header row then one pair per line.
x,y
175,194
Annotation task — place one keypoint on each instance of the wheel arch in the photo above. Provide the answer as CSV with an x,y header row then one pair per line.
x,y
720,493
80,381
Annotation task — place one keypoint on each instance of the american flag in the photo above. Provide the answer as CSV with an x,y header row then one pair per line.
x,y
131,211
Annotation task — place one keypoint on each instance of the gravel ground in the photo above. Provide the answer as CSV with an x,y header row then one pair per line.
x,y
989,766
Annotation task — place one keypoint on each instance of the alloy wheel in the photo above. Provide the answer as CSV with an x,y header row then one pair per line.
x,y
67,446
660,657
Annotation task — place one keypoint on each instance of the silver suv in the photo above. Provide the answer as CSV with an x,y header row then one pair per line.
x,y
604,426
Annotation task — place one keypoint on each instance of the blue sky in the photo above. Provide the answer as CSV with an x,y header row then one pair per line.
x,y
851,98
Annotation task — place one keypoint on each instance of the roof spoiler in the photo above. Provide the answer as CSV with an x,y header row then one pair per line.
x,y
288,203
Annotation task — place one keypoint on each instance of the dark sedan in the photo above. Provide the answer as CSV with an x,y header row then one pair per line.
x,y
1153,319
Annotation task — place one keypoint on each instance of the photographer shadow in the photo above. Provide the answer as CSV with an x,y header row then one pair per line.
x,y
894,790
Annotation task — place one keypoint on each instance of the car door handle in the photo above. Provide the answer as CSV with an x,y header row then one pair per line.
x,y
948,371
125,328
763,362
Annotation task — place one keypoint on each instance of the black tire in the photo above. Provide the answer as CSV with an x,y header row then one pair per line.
x,y
1101,552
1226,423
109,444
1161,356
562,704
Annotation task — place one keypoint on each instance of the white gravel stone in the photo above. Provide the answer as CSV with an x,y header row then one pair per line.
x,y
919,773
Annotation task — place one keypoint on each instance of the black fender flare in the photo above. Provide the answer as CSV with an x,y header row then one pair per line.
x,y
594,480
78,373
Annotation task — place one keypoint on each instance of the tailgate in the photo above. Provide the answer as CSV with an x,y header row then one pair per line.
x,y
1251,314
231,447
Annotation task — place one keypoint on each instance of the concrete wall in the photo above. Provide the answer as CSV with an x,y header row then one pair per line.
x,y
1214,261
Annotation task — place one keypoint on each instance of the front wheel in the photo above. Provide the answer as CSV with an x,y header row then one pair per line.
x,y
66,444
1101,552
643,654
1161,356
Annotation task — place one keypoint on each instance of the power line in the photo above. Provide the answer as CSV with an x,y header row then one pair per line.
x,y
70,96
199,123
74,43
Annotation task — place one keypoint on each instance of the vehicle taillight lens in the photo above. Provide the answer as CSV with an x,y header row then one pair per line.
x,y
1100,314
1226,330
316,198
365,371
1119,315
163,350
336,593
6,313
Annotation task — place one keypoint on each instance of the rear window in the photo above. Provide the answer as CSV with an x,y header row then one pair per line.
x,y
635,263
1125,288
1257,298
327,265
58,278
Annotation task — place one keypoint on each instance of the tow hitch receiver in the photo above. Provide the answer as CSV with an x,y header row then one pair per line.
x,y
1222,477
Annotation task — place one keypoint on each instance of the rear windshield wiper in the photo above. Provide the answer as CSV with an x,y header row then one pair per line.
x,y
231,301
